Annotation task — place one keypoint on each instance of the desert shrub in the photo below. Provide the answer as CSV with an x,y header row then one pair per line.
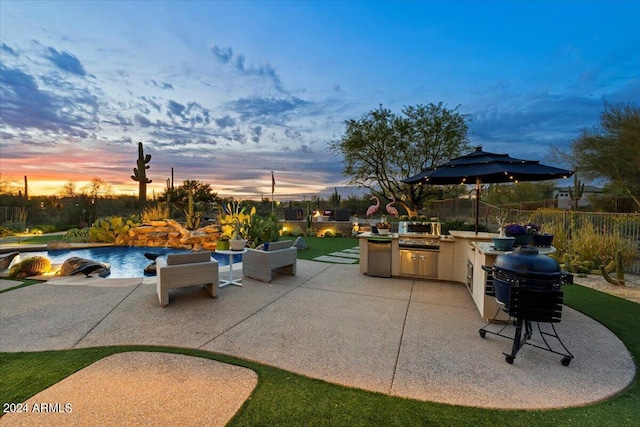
x,y
6,232
155,213
76,235
106,230
560,237
293,231
15,226
263,229
44,228
598,247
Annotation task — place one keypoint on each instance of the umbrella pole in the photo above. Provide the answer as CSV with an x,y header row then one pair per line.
x,y
477,203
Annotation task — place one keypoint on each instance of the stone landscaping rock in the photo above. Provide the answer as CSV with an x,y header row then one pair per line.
x,y
53,245
300,244
75,264
5,260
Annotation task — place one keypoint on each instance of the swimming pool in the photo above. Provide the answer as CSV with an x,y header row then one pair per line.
x,y
125,261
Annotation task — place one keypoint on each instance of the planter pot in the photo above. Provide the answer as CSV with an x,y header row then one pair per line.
x,y
503,243
543,240
383,231
237,245
521,239
223,245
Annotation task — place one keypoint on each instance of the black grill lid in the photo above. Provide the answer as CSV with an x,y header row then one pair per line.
x,y
526,259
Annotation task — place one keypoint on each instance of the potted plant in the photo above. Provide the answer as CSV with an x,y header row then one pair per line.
x,y
235,222
383,226
543,240
237,241
503,242
223,243
520,232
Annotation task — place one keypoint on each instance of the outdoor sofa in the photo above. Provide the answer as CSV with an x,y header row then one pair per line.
x,y
182,270
260,264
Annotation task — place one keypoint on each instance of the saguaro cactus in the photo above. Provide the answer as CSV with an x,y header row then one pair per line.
x,y
576,193
140,173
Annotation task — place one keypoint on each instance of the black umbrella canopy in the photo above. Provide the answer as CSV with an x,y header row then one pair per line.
x,y
484,167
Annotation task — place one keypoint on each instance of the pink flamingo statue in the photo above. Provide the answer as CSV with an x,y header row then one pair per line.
x,y
390,209
373,208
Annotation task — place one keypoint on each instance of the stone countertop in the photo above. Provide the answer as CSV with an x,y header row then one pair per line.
x,y
471,235
488,249
368,234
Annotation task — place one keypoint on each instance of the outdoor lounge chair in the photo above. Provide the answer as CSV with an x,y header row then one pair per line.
x,y
182,270
279,256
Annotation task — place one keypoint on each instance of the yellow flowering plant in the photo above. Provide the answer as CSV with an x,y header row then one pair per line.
x,y
235,222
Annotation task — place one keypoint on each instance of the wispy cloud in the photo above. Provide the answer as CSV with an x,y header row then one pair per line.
x,y
225,55
66,62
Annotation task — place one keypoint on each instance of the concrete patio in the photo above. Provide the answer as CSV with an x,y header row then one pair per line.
x,y
401,337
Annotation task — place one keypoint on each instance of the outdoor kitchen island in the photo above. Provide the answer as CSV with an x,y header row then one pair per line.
x,y
458,257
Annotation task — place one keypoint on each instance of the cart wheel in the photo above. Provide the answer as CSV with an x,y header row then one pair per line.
x,y
565,361
509,359
482,333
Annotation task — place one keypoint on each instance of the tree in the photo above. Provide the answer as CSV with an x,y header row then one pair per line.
x,y
203,196
383,148
68,190
8,185
611,151
90,195
503,194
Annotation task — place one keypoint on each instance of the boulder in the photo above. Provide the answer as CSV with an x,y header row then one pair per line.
x,y
150,269
300,244
5,260
75,265
53,245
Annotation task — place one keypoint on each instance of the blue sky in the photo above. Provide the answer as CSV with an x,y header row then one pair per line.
x,y
225,92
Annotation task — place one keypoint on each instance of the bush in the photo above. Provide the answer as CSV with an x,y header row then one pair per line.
x,y
44,228
106,230
6,232
600,248
76,235
155,213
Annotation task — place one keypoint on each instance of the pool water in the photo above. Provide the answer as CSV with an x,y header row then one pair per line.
x,y
125,261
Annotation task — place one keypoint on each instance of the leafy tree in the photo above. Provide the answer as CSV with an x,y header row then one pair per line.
x,y
204,197
502,194
383,148
68,190
611,151
8,185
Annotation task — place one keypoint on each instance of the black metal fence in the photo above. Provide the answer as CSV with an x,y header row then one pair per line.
x,y
624,225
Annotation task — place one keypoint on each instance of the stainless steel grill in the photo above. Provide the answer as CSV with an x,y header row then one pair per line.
x,y
419,242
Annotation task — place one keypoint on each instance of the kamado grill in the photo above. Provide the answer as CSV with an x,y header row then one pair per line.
x,y
527,285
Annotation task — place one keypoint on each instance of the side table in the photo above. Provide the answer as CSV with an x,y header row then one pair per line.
x,y
231,281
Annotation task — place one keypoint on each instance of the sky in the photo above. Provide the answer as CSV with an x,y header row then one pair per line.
x,y
224,92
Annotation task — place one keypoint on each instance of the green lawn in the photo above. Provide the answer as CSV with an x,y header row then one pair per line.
x,y
39,240
324,245
284,399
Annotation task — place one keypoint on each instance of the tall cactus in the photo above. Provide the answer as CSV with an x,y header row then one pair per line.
x,y
140,173
576,193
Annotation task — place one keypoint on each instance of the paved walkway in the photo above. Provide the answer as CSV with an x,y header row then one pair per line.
x,y
346,256
409,338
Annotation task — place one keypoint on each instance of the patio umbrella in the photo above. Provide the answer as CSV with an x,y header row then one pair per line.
x,y
484,167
